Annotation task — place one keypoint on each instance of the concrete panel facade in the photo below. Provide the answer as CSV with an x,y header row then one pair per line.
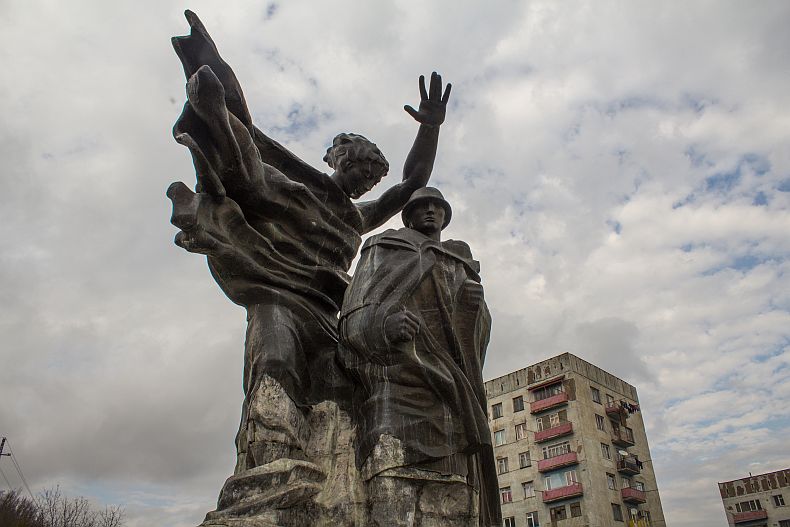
x,y
758,501
556,448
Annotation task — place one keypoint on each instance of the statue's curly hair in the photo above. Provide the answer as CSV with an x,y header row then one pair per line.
x,y
355,147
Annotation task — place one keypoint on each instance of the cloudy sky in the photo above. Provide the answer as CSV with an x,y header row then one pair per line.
x,y
621,169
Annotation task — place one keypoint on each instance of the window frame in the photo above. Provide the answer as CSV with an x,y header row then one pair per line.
x,y
496,411
595,393
777,498
516,408
606,452
500,463
521,431
617,511
528,485
522,456
600,423
505,495
499,437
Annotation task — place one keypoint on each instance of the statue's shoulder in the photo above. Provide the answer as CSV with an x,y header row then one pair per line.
x,y
396,238
462,251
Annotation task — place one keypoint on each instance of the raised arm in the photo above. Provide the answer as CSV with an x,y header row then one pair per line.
x,y
419,163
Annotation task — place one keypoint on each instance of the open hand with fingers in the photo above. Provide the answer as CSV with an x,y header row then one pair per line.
x,y
433,103
401,326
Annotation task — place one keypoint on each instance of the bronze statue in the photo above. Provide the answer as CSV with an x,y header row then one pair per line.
x,y
414,329
279,234
279,237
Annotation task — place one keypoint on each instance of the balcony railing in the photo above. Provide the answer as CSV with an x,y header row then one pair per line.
x,y
555,431
742,517
629,465
563,460
622,437
562,493
548,402
632,495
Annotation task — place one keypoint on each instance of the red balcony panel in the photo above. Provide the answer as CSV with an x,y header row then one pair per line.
x,y
562,460
555,431
632,495
562,493
549,402
613,410
741,517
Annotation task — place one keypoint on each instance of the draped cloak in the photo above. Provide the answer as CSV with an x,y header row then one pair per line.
x,y
427,393
277,232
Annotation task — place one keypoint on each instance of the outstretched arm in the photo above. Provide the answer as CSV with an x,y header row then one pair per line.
x,y
419,163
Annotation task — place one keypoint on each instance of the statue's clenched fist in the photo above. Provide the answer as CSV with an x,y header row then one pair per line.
x,y
401,326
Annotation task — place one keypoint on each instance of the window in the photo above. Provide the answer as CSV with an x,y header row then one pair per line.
x,y
617,512
558,513
611,482
646,516
576,509
626,483
506,495
779,500
548,391
605,452
529,489
638,485
518,404
557,449
782,523
524,460
532,519
521,431
561,479
747,506
501,465
609,400
509,522
496,410
596,395
629,434
499,437
599,422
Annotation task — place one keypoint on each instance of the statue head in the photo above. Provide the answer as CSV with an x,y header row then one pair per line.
x,y
427,212
358,163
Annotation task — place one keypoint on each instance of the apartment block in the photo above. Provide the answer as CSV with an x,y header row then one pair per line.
x,y
571,448
758,501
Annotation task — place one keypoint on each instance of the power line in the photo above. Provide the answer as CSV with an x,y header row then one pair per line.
x,y
6,480
19,470
4,442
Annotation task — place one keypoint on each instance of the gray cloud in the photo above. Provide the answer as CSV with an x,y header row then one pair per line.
x,y
618,170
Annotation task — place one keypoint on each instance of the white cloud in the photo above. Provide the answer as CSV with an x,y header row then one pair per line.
x,y
621,171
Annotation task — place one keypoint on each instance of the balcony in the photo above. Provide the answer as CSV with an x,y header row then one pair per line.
x,y
563,460
548,402
743,517
622,437
629,465
562,493
614,410
632,495
555,431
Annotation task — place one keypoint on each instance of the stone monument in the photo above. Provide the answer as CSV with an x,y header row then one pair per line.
x,y
279,237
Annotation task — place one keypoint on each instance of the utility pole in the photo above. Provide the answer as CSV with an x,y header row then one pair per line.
x,y
2,445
